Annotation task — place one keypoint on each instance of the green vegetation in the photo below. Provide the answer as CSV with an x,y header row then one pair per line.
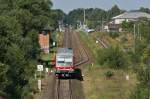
x,y
128,26
55,16
147,10
114,34
118,58
113,57
91,44
97,86
20,22
94,17
126,57
140,58
46,57
109,74
107,81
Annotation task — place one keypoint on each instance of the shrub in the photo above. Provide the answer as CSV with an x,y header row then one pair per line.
x,y
114,34
109,74
113,57
141,93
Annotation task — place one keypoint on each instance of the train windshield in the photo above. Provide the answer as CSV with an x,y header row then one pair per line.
x,y
64,61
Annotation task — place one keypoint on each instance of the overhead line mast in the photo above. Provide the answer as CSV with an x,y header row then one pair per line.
x,y
84,17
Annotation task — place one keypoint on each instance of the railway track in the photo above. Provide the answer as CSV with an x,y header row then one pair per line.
x,y
102,41
71,40
84,58
63,89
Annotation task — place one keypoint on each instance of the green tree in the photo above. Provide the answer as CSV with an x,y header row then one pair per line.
x,y
58,16
113,57
141,93
9,33
147,10
94,16
20,22
114,11
3,79
128,26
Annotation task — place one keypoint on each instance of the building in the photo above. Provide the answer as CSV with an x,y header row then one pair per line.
x,y
44,41
113,28
115,24
130,16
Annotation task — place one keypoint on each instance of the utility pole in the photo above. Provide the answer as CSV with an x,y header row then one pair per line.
x,y
134,38
84,17
138,32
140,37
102,24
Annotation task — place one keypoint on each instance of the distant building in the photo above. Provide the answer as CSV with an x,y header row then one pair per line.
x,y
113,28
130,16
44,41
115,24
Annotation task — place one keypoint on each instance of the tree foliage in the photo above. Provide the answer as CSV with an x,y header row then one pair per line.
x,y
144,28
143,88
20,22
58,16
143,63
113,57
127,26
147,10
141,93
94,16
3,78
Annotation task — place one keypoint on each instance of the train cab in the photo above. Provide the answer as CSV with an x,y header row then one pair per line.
x,y
64,62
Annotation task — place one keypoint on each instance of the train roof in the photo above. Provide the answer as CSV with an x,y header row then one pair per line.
x,y
64,52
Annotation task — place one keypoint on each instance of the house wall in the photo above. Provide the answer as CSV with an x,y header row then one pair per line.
x,y
44,41
119,21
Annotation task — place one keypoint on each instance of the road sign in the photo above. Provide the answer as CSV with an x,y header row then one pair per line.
x,y
39,67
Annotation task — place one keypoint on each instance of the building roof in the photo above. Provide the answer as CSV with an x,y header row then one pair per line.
x,y
132,15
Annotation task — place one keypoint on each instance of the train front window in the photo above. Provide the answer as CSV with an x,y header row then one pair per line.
x,y
64,61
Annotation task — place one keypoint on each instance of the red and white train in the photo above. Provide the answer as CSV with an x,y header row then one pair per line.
x,y
64,62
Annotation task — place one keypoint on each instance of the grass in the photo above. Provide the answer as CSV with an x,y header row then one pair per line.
x,y
59,39
95,84
91,44
46,56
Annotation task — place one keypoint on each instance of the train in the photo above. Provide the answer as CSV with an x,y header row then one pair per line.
x,y
64,62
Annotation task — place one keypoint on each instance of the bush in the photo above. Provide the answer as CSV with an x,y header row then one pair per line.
x,y
141,93
113,57
114,34
109,74
127,26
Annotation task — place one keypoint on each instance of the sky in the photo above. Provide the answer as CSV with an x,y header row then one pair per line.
x,y
68,5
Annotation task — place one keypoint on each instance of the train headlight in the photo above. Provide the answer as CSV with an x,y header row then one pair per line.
x,y
67,75
62,75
